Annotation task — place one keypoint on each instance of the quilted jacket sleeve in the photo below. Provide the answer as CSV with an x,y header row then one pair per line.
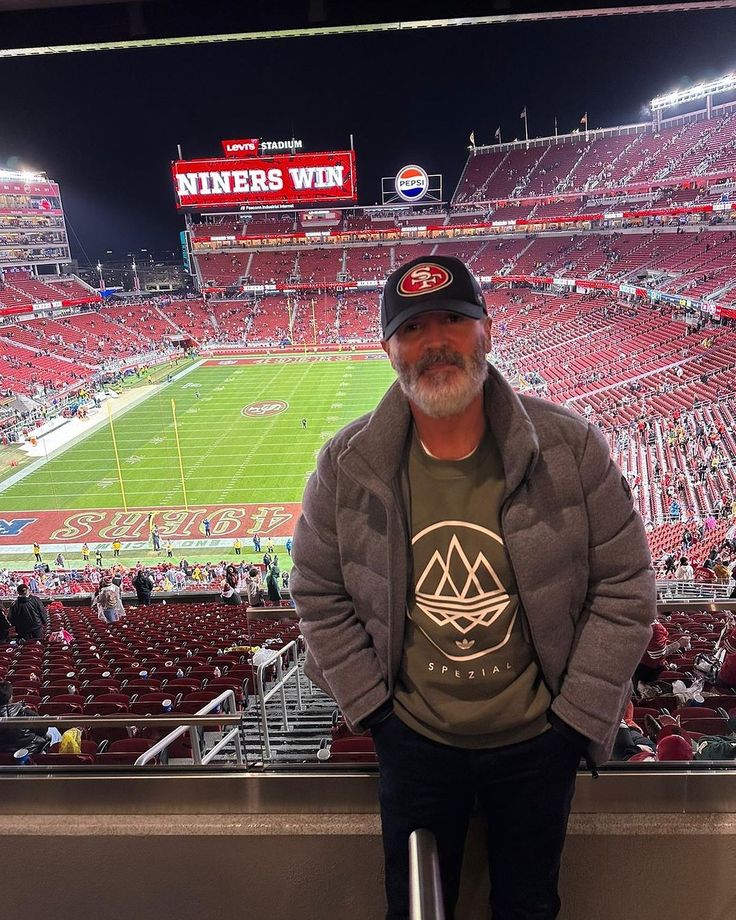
x,y
341,656
620,606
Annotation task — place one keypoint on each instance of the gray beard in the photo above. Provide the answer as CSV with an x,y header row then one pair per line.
x,y
446,393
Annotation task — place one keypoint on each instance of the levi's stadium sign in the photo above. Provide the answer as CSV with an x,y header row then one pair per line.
x,y
257,180
252,146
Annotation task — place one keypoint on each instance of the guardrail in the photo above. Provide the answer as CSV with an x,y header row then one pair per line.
x,y
183,723
288,653
425,883
692,591
226,697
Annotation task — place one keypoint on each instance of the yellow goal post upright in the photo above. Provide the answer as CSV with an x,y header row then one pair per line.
x,y
117,457
178,451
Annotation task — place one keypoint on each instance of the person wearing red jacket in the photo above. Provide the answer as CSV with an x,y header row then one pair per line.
x,y
653,660
727,673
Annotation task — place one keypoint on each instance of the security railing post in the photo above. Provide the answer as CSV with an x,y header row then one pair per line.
x,y
425,883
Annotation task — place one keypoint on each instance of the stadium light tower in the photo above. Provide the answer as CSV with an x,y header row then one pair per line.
x,y
705,91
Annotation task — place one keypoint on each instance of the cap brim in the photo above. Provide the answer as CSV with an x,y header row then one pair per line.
x,y
461,307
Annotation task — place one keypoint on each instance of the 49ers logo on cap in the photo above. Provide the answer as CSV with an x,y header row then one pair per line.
x,y
425,278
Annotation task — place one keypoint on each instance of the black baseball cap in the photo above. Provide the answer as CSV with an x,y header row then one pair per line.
x,y
426,284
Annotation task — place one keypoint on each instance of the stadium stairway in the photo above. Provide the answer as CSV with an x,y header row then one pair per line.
x,y
299,742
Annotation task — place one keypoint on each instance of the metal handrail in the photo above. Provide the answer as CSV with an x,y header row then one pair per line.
x,y
121,720
425,883
226,697
200,719
692,590
282,679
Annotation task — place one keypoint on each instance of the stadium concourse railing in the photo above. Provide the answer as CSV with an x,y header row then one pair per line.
x,y
203,718
226,701
668,591
289,654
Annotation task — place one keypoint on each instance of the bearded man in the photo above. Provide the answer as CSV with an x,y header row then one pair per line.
x,y
475,588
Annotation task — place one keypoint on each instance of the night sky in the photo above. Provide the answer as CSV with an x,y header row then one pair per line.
x,y
106,125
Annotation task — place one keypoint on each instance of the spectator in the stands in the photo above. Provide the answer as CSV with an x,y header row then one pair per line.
x,y
13,739
231,577
653,660
720,570
272,584
143,584
630,739
107,601
28,615
254,588
727,672
684,571
705,573
4,627
228,594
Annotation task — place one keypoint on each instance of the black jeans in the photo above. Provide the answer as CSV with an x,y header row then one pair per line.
x,y
524,790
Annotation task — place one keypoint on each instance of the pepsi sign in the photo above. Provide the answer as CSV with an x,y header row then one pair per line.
x,y
412,183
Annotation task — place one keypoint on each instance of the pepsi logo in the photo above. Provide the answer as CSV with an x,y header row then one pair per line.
x,y
412,183
424,278
264,408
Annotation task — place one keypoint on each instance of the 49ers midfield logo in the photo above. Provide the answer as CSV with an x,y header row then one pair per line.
x,y
264,408
423,279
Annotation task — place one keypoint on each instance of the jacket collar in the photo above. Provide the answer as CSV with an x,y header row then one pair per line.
x,y
380,443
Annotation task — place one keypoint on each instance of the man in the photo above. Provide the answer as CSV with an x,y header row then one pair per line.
x,y
475,587
116,547
28,615
85,553
237,546
207,524
304,423
37,552
143,584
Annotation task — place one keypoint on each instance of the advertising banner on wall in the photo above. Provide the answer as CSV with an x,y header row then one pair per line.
x,y
302,179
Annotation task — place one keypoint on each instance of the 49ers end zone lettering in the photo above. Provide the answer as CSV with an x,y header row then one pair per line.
x,y
423,279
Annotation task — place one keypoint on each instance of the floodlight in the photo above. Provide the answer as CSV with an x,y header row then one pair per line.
x,y
698,91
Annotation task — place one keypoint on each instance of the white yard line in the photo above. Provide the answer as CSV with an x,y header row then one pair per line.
x,y
57,442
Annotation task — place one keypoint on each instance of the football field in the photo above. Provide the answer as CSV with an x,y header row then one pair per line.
x,y
240,432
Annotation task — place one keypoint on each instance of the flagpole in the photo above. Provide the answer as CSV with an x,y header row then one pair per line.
x,y
314,326
555,126
526,125
117,458
178,450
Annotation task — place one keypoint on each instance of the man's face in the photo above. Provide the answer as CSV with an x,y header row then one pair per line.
x,y
440,360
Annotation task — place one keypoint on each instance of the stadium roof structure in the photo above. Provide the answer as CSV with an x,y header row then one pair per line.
x,y
692,93
103,30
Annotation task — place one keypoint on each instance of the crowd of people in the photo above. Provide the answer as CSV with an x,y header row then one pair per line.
x,y
164,577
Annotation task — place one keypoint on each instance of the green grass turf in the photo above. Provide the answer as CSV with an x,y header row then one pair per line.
x,y
227,457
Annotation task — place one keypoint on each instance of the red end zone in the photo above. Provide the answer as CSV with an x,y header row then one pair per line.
x,y
22,528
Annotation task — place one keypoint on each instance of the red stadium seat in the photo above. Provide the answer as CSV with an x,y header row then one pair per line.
x,y
104,709
64,760
353,749
60,709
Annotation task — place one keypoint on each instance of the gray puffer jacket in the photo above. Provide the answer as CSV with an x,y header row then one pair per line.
x,y
577,546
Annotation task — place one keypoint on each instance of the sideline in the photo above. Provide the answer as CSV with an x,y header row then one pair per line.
x,y
78,430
